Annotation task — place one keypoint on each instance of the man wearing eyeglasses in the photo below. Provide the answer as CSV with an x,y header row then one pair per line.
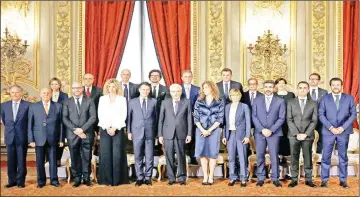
x,y
315,94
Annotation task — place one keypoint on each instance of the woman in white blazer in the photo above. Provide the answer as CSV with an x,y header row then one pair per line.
x,y
112,113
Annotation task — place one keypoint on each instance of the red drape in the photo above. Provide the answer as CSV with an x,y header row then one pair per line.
x,y
170,25
106,28
351,50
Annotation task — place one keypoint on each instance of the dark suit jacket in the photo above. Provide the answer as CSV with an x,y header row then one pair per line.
x,y
141,125
163,92
246,99
15,129
85,120
301,123
321,93
233,84
343,117
62,97
242,122
273,119
44,127
133,90
194,94
171,124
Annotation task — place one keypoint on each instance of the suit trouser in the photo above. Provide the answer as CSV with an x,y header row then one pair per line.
x,y
16,163
295,147
272,143
80,154
342,142
144,153
236,146
40,163
178,146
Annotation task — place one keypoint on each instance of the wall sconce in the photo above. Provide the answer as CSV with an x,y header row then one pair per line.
x,y
14,64
267,61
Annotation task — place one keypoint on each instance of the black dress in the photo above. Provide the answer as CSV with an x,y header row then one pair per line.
x,y
284,144
113,168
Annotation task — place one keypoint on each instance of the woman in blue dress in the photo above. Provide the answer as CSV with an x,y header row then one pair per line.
x,y
208,115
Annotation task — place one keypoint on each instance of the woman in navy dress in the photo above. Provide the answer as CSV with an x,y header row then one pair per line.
x,y
58,97
208,115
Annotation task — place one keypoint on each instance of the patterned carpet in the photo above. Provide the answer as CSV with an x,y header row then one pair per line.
x,y
193,188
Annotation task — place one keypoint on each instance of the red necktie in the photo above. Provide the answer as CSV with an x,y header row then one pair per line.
x,y
88,92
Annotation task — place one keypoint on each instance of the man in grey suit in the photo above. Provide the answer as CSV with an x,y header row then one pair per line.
x,y
315,94
301,116
141,127
79,115
175,127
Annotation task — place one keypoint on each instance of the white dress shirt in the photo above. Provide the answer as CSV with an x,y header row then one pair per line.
x,y
251,92
80,100
232,116
305,98
48,105
141,101
187,88
174,104
112,114
123,87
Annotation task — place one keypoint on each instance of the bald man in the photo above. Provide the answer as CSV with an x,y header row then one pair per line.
x,y
130,90
79,116
45,134
175,129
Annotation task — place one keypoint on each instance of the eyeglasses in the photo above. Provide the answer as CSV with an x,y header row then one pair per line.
x,y
154,75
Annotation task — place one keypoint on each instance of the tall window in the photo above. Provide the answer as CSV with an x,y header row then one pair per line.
x,y
139,54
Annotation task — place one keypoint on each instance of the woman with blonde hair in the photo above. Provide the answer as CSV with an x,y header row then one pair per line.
x,y
208,115
112,113
237,135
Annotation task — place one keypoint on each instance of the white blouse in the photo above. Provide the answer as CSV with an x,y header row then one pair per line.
x,y
112,114
232,116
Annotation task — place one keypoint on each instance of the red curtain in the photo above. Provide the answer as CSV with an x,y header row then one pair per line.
x,y
351,50
170,25
106,28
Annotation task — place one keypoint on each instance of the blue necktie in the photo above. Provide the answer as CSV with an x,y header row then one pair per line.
x,y
337,101
144,107
313,95
15,110
226,93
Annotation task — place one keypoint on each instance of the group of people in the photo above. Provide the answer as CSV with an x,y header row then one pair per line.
x,y
183,118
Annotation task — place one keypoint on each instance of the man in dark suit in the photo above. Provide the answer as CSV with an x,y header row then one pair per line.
x,y
14,116
227,84
45,135
130,90
268,114
316,94
336,112
301,116
141,129
79,115
190,92
175,128
93,92
159,92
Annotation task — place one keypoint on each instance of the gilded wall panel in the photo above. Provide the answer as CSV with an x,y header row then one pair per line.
x,y
215,39
63,41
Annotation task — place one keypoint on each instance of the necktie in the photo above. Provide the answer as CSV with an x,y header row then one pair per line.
x,y
88,92
46,108
313,94
176,107
126,93
154,92
337,101
226,93
187,91
78,105
144,107
252,98
267,103
15,110
302,105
